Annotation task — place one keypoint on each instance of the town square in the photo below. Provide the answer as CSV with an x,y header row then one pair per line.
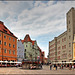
x,y
37,37
44,71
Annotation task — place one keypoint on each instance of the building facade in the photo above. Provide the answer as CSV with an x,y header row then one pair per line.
x,y
31,50
20,51
8,44
42,56
63,48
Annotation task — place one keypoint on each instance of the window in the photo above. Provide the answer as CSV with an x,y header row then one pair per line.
x,y
25,50
0,35
64,46
5,51
25,55
69,37
14,52
9,45
0,41
9,38
69,29
65,39
0,49
5,37
69,44
9,51
5,43
69,22
13,46
26,45
13,40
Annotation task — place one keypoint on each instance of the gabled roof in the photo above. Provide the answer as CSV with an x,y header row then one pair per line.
x,y
27,38
4,29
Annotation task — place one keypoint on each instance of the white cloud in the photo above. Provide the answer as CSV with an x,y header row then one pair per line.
x,y
42,19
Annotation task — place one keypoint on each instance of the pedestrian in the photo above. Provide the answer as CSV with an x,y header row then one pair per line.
x,y
50,66
66,66
41,66
61,66
56,66
73,67
69,66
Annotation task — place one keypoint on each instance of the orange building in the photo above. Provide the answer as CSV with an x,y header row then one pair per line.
x,y
8,44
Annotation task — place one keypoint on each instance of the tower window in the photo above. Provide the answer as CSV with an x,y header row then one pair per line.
x,y
69,29
69,44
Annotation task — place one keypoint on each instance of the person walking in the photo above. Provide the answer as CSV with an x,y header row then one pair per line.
x,y
56,66
50,66
69,66
73,67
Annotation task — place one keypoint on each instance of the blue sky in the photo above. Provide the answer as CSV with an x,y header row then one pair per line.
x,y
42,20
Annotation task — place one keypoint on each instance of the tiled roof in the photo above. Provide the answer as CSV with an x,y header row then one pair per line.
x,y
27,38
4,29
22,41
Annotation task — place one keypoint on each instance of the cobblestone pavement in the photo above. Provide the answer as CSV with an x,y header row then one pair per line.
x,y
45,70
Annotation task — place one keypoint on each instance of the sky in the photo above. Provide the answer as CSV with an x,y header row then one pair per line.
x,y
42,20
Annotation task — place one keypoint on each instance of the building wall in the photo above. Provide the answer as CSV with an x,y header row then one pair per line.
x,y
52,50
8,56
20,51
65,45
62,47
28,50
36,50
70,32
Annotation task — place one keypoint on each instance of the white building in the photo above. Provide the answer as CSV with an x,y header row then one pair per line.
x,y
20,51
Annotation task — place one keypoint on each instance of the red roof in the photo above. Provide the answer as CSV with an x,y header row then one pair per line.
x,y
22,41
27,38
33,42
4,29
